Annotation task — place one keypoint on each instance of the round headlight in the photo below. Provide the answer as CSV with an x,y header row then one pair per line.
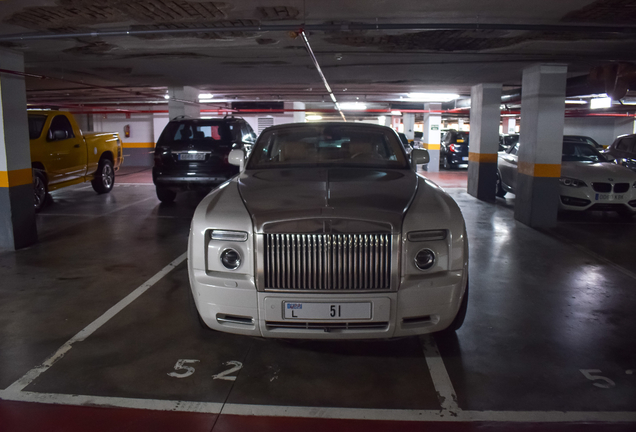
x,y
230,259
425,259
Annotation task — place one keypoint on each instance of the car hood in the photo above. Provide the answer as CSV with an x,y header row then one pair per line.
x,y
319,200
597,172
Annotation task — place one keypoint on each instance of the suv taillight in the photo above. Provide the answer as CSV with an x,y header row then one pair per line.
x,y
453,148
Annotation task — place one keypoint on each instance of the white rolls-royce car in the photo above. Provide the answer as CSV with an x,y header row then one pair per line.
x,y
328,232
588,180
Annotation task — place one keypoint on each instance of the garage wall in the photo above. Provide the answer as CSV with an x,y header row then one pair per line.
x,y
139,147
603,129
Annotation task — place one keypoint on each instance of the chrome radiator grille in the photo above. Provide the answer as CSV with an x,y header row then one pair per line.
x,y
327,261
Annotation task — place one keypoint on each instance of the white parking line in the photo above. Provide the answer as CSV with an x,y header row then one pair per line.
x,y
324,412
31,375
443,385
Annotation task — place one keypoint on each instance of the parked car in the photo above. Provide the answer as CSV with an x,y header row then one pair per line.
x,y
329,233
453,151
506,141
193,154
588,180
623,151
583,139
408,147
62,155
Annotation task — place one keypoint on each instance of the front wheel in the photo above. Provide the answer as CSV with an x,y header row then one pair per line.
x,y
104,177
40,190
461,314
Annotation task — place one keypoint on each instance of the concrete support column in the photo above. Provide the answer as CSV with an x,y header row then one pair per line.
x,y
184,101
409,125
539,163
299,116
431,135
485,100
17,216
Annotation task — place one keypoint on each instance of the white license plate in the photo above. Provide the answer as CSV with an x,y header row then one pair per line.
x,y
327,311
609,197
464,158
192,156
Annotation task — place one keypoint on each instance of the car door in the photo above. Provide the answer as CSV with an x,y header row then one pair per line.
x,y
508,166
66,151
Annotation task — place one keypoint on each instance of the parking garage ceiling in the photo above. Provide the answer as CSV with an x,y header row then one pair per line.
x,y
249,50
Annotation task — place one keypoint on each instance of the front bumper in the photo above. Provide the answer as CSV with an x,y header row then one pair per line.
x,y
585,198
231,303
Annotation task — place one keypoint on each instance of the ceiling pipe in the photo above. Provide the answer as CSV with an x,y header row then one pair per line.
x,y
556,28
324,79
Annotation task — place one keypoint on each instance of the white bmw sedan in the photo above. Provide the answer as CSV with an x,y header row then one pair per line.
x,y
329,233
588,180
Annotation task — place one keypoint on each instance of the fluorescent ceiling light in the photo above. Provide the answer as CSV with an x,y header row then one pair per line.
x,y
433,97
205,96
166,97
313,117
353,106
575,102
597,103
396,113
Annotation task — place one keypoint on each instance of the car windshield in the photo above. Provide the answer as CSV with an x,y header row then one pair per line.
x,y
461,138
213,133
36,124
328,145
580,152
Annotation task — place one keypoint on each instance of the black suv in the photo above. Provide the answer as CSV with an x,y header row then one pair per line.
x,y
623,151
193,153
453,151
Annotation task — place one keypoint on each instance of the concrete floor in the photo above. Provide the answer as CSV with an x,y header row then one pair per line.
x,y
546,310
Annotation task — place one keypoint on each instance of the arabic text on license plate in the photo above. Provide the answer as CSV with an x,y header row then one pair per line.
x,y
464,158
327,311
609,197
192,156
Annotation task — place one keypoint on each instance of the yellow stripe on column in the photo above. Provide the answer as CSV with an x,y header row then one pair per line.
x,y
539,170
482,157
138,145
430,146
16,177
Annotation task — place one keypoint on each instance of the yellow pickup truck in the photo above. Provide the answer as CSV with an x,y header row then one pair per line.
x,y
63,155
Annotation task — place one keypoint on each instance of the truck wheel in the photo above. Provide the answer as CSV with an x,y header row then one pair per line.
x,y
40,190
104,177
165,195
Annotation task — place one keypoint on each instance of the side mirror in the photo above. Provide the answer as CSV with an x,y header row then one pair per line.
x,y
418,157
237,157
609,157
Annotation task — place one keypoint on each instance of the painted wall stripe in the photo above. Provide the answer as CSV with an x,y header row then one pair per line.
x,y
31,375
138,145
430,146
16,177
482,157
539,170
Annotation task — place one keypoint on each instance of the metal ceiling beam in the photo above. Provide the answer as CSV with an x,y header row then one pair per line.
x,y
555,28
324,79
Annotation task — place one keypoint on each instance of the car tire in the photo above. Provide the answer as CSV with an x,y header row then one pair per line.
x,y
195,312
104,177
461,313
165,195
500,192
447,166
40,190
